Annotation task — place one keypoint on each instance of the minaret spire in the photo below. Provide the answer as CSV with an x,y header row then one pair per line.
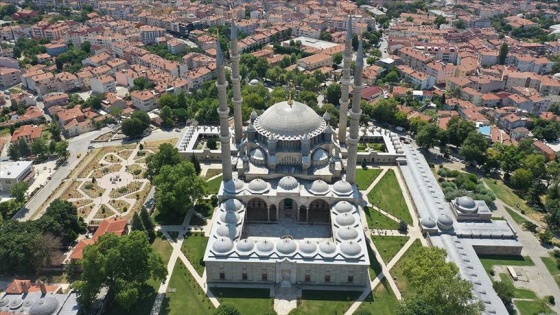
x,y
235,80
355,114
223,111
344,101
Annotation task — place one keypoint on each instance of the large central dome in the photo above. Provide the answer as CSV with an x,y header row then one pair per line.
x,y
289,121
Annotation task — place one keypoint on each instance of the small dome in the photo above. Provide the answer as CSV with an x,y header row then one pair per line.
x,y
258,186
44,306
254,114
231,205
318,187
466,204
344,207
428,223
258,154
229,217
4,302
320,155
16,303
233,185
347,233
222,245
350,248
345,219
245,245
445,222
227,230
286,246
326,116
288,183
254,82
327,247
307,247
343,188
265,246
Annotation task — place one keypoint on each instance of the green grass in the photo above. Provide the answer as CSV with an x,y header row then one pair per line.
x,y
551,265
188,297
398,268
377,220
389,246
193,247
327,302
364,178
531,308
507,195
382,301
491,260
162,247
248,301
387,195
374,266
518,292
515,216
214,185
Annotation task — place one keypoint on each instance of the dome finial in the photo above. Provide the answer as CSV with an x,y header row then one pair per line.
x,y
290,86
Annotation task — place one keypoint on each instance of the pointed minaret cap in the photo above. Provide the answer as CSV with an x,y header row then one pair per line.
x,y
360,55
219,55
349,28
233,34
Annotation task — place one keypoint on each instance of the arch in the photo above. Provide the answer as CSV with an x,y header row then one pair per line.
x,y
287,210
319,211
257,210
302,214
273,213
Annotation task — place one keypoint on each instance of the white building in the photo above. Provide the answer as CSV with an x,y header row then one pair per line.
x,y
12,173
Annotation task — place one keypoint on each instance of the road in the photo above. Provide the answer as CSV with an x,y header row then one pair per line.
x,y
383,47
76,145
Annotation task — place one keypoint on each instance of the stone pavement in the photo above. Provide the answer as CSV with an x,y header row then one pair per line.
x,y
285,299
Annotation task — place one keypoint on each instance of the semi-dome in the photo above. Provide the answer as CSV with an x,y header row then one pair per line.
x,y
233,185
286,246
428,223
345,219
320,155
350,248
222,245
347,233
44,306
258,186
327,247
445,222
231,205
229,217
227,230
288,183
289,120
245,245
466,204
258,154
265,246
307,247
342,188
318,187
344,207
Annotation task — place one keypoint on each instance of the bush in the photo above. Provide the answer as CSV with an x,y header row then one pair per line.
x,y
137,171
212,144
88,186
556,253
551,300
530,226
214,200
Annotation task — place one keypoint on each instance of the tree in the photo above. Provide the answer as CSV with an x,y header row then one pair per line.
x,y
86,47
212,144
18,191
428,136
182,100
136,124
61,149
439,20
505,291
61,219
385,110
169,100
474,148
535,163
13,152
196,164
148,224
403,227
167,155
137,224
54,129
23,148
166,115
458,129
504,49
521,179
39,146
332,95
177,188
337,58
137,263
227,309
460,24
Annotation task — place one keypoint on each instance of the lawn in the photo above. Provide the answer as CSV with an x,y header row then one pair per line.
x,y
364,178
188,296
388,196
248,301
550,263
383,301
398,268
376,220
327,302
518,292
491,260
515,216
193,247
214,185
163,248
508,196
211,172
530,308
389,246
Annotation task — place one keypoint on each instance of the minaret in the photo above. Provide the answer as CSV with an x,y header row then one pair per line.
x,y
223,111
236,83
344,101
355,114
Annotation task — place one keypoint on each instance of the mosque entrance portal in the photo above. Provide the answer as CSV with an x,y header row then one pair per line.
x,y
287,210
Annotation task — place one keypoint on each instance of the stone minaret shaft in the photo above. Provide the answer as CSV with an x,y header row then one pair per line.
x,y
344,100
236,83
355,114
223,111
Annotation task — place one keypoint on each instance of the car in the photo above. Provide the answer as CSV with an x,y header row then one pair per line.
x,y
177,130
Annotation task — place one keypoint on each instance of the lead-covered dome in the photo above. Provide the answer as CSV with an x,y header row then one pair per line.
x,y
466,204
245,245
428,223
288,183
318,187
345,219
44,306
307,247
231,205
342,188
289,120
344,207
350,248
445,222
258,186
347,233
227,230
229,217
265,246
286,246
234,185
222,245
327,247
